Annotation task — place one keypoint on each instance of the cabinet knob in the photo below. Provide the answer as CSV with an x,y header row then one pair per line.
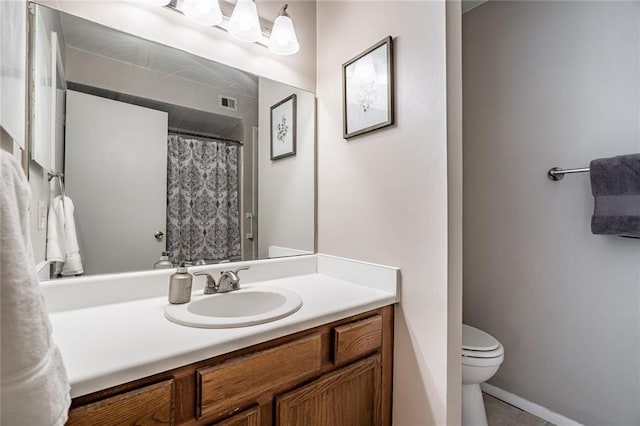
x,y
159,235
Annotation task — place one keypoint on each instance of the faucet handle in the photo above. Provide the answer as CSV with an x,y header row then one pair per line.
x,y
242,268
235,279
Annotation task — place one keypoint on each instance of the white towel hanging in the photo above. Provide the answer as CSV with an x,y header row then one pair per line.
x,y
62,241
34,385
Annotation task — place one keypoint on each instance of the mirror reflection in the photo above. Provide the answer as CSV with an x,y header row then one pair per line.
x,y
164,156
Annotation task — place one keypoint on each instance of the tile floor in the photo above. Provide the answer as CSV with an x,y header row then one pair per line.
x,y
500,413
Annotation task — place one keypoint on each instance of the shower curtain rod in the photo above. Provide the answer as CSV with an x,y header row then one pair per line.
x,y
203,135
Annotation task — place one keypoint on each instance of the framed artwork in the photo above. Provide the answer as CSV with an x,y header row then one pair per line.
x,y
283,128
367,90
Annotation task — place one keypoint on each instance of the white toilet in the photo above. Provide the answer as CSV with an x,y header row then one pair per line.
x,y
482,355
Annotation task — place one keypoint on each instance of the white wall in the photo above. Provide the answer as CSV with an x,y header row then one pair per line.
x,y
552,84
13,93
383,196
286,198
172,29
13,69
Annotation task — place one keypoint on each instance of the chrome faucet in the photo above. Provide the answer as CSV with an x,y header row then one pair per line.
x,y
228,281
211,286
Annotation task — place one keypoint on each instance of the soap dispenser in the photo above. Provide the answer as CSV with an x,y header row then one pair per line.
x,y
180,285
163,262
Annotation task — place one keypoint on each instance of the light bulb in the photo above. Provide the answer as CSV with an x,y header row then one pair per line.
x,y
206,12
283,40
244,23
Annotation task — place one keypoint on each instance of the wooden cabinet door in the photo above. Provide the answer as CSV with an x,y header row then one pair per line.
x,y
249,417
151,405
350,396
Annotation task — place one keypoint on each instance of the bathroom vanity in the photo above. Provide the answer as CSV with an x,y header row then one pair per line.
x,y
338,373
330,362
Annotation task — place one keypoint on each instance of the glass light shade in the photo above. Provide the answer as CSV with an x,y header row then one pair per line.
x,y
157,2
206,12
283,40
244,23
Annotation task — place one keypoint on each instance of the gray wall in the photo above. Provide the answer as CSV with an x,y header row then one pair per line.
x,y
454,209
552,84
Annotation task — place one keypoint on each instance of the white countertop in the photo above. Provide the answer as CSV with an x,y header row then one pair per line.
x,y
105,345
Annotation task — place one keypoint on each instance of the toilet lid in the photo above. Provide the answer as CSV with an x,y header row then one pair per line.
x,y
474,339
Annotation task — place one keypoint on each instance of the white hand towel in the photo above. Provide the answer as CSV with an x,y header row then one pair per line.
x,y
34,389
56,247
62,241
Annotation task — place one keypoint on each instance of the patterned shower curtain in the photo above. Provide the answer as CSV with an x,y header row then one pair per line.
x,y
203,219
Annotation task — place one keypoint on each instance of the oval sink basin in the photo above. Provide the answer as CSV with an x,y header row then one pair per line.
x,y
241,308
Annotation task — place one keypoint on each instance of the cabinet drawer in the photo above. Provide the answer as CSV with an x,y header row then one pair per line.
x,y
233,384
150,405
356,339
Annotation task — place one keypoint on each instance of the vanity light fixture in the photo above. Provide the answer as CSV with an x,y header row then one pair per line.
x,y
283,40
243,23
206,12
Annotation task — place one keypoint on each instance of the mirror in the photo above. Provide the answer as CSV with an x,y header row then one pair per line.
x,y
161,150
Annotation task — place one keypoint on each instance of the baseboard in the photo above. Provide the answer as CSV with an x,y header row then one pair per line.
x,y
528,406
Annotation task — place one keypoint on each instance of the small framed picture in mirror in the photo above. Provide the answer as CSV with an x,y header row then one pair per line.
x,y
367,84
283,128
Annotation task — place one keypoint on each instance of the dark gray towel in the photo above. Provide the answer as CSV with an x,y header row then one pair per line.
x,y
615,185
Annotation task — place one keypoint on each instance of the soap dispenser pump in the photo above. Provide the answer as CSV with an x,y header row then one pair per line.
x,y
180,285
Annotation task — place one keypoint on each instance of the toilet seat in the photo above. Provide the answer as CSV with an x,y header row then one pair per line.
x,y
498,352
481,358
479,344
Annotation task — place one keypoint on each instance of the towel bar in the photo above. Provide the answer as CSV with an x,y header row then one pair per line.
x,y
557,173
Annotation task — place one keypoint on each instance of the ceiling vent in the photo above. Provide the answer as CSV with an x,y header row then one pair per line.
x,y
228,103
